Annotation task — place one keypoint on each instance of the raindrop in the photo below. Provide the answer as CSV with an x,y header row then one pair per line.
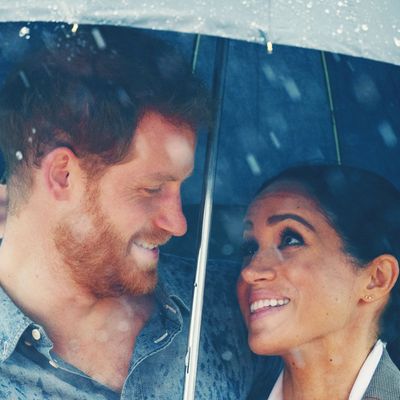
x,y
74,28
227,355
397,41
33,131
24,79
101,44
309,4
19,155
365,90
275,140
24,32
30,140
123,97
269,73
387,133
327,11
227,249
364,27
292,89
253,164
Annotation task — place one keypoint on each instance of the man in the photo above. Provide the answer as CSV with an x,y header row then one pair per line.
x,y
98,134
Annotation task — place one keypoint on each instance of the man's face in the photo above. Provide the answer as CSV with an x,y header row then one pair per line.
x,y
111,242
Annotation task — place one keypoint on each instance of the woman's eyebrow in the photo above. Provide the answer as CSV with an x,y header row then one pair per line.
x,y
273,219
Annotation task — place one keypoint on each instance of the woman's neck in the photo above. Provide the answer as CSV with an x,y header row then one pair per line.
x,y
324,369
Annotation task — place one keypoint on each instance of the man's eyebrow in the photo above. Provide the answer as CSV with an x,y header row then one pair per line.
x,y
159,176
273,219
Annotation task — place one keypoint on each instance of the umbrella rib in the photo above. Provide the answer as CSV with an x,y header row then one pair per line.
x,y
331,108
196,48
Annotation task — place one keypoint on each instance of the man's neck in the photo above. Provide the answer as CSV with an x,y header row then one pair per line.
x,y
95,335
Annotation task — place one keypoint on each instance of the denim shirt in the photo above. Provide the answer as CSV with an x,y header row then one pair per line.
x,y
226,370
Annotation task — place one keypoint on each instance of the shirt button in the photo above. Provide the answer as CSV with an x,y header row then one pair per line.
x,y
36,334
53,363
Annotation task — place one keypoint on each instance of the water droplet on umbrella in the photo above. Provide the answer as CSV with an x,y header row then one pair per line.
x,y
24,32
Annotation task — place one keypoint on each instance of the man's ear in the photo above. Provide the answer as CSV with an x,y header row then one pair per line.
x,y
383,274
58,167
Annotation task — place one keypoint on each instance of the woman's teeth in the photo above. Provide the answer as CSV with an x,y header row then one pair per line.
x,y
267,303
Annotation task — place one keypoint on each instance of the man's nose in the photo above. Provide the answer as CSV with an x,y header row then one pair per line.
x,y
171,218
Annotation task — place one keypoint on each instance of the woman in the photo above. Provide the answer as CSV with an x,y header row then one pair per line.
x,y
322,245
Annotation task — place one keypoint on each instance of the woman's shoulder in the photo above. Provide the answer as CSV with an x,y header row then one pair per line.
x,y
385,383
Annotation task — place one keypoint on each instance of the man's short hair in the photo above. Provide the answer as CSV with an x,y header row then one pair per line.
x,y
87,91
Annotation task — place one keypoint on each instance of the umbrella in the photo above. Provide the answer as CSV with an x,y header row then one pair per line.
x,y
271,110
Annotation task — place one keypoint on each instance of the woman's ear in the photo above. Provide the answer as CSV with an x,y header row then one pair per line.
x,y
383,274
57,167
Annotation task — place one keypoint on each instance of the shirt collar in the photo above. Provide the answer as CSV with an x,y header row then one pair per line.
x,y
360,385
175,283
13,324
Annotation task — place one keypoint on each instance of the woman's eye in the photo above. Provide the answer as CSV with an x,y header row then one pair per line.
x,y
290,238
249,248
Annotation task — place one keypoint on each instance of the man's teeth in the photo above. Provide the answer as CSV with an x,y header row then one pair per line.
x,y
267,303
147,246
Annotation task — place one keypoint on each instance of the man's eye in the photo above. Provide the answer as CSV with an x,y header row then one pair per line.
x,y
290,238
249,248
152,190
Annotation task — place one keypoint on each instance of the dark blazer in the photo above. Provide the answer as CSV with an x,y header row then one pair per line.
x,y
385,383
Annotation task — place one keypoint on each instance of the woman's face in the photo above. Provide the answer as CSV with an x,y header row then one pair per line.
x,y
296,287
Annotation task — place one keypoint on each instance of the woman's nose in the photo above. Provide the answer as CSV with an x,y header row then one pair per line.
x,y
253,274
260,268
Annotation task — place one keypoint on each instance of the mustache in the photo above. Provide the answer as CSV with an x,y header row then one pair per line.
x,y
158,237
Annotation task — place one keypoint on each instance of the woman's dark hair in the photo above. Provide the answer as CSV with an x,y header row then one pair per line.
x,y
362,207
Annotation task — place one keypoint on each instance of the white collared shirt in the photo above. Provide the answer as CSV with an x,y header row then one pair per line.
x,y
360,385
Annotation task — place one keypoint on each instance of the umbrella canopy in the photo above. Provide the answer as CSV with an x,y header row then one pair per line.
x,y
365,28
